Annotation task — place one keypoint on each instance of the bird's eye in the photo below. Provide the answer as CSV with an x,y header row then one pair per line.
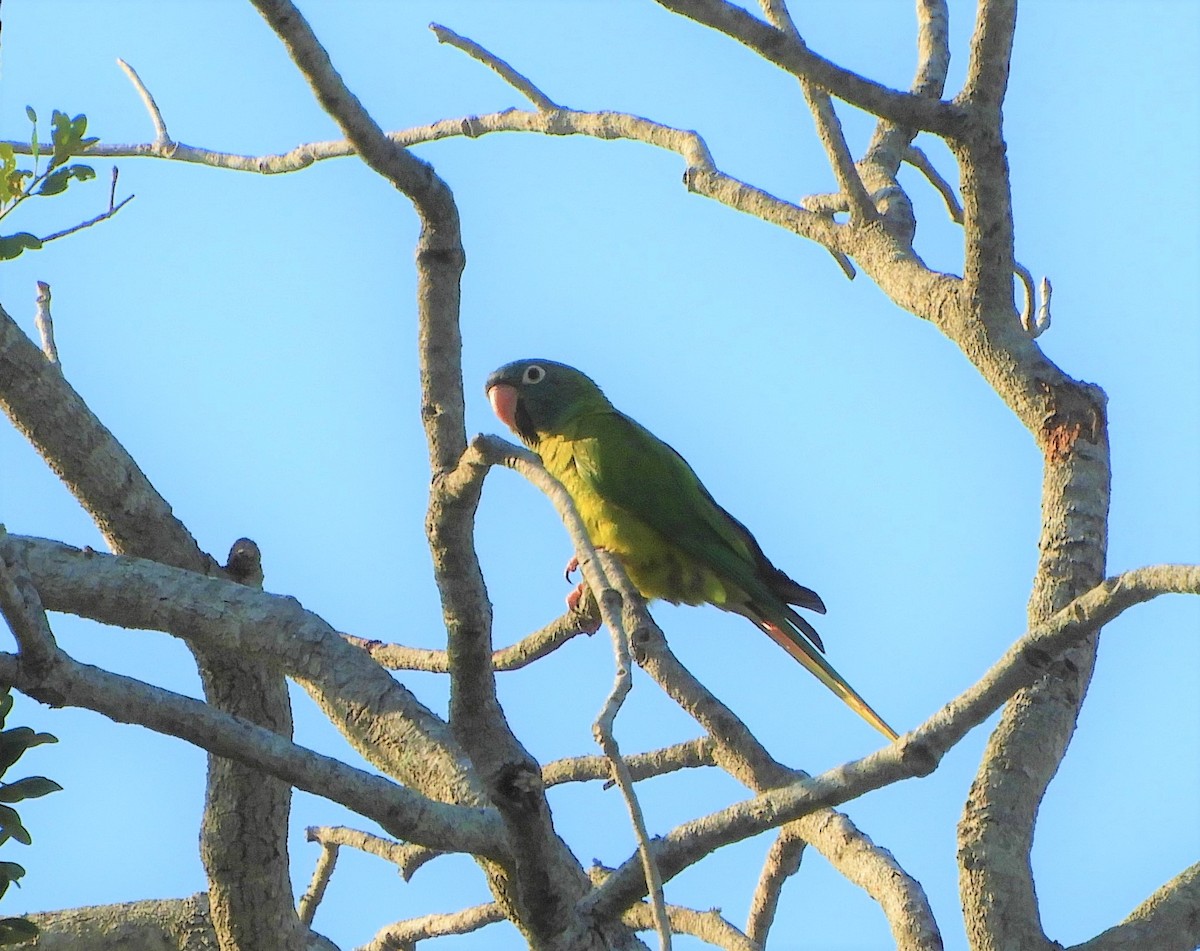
x,y
533,374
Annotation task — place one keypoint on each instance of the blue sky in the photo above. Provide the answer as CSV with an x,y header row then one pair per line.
x,y
251,341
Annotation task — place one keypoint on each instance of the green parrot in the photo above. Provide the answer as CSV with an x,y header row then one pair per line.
x,y
641,501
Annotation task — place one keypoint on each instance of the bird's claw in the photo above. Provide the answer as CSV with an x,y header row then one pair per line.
x,y
572,567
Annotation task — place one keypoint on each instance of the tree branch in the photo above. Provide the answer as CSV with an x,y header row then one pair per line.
x,y
829,127
382,719
404,935
403,812
322,873
991,53
915,157
603,732
918,112
539,644
579,769
180,924
737,750
781,863
708,926
915,754
406,856
162,140
1166,921
519,82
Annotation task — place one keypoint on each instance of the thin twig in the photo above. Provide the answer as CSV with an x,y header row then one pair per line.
x,y
161,138
112,210
406,856
580,769
708,926
1042,322
22,609
321,875
603,731
782,862
917,753
1022,272
829,127
535,646
405,934
520,83
45,323
1035,313
917,158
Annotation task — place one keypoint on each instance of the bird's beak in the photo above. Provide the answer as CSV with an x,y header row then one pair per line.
x,y
503,397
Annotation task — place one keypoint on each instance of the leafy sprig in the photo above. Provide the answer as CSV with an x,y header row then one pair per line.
x,y
68,139
13,744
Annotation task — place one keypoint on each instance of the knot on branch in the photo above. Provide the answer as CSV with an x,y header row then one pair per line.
x,y
244,564
518,787
918,757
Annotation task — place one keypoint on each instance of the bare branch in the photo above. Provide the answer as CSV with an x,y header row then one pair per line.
x,y
1166,921
915,754
708,926
400,810
829,127
920,161
991,53
321,875
1035,313
45,323
162,140
782,862
738,751
408,857
404,935
87,457
535,646
933,48
383,720
603,732
685,755
906,109
520,83
22,609
179,924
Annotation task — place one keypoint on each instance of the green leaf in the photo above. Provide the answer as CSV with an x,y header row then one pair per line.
x,y
14,742
17,930
31,787
12,245
11,871
11,826
68,136
32,115
56,182
13,184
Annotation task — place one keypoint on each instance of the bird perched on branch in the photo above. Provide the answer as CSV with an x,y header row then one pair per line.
x,y
641,501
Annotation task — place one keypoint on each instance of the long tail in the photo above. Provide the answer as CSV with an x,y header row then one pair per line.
x,y
820,668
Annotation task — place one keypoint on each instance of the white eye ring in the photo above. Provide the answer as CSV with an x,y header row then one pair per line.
x,y
533,374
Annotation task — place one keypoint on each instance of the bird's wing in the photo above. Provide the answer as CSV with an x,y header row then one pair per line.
x,y
631,467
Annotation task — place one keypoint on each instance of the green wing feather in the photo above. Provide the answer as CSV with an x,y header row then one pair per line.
x,y
629,467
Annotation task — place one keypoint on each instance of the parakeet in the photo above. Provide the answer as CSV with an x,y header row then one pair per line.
x,y
641,501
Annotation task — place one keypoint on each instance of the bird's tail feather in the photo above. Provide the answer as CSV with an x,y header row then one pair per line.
x,y
820,668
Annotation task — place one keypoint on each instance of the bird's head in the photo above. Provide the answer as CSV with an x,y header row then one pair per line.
x,y
540,397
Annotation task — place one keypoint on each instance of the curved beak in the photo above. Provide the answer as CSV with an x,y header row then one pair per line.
x,y
503,397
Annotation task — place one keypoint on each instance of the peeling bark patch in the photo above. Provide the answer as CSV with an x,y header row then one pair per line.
x,y
1074,410
1058,439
